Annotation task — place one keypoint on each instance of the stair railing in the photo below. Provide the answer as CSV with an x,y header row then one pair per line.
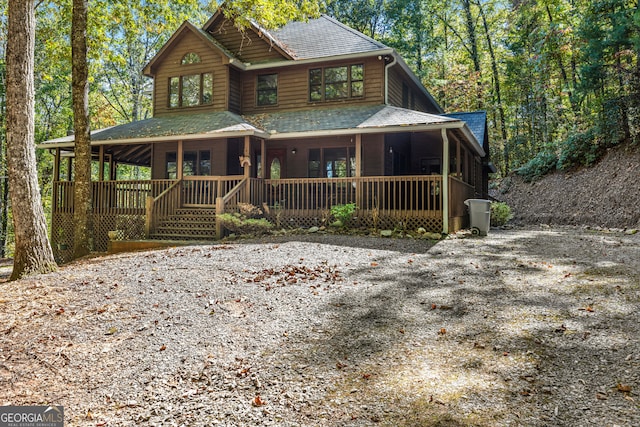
x,y
162,207
231,199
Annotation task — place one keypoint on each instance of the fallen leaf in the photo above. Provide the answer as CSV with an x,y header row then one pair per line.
x,y
601,396
442,331
374,264
257,401
163,347
366,376
625,388
112,330
340,365
433,306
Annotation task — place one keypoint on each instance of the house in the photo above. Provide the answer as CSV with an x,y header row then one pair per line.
x,y
296,120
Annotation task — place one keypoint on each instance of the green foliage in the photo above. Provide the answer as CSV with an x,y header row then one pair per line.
x,y
500,214
239,224
580,149
543,163
343,213
270,13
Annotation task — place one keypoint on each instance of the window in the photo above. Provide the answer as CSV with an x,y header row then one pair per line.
x,y
333,83
267,89
191,90
172,165
196,163
190,58
335,162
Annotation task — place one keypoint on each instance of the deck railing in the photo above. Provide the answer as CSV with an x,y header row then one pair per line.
x,y
411,195
160,207
123,197
459,192
202,191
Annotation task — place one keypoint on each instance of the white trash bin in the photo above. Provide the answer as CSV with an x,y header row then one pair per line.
x,y
479,215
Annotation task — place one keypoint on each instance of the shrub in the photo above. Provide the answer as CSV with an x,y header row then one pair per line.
x,y
343,213
543,163
580,149
500,214
240,224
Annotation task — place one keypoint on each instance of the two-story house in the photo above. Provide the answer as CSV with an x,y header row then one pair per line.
x,y
294,120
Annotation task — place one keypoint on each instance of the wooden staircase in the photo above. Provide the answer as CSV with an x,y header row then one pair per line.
x,y
187,224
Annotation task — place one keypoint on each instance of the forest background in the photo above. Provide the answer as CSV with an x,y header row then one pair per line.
x,y
559,79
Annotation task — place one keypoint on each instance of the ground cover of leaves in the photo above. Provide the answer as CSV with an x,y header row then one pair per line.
x,y
527,327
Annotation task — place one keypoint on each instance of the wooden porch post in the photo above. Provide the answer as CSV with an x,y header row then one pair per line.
x,y
445,182
179,160
263,158
69,160
101,163
359,170
458,169
56,165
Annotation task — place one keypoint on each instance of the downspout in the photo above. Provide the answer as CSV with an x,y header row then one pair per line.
x,y
386,79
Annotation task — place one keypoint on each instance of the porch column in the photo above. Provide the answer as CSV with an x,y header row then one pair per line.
x,y
263,158
101,163
247,153
179,160
458,169
69,160
445,182
359,170
56,165
246,164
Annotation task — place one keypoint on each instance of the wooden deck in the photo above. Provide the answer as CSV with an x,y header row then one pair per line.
x,y
138,209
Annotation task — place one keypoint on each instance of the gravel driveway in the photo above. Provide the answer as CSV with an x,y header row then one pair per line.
x,y
526,327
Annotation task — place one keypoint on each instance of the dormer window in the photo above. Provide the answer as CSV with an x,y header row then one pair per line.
x,y
190,58
191,90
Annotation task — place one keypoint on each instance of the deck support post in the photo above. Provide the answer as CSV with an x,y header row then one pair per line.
x,y
359,171
101,163
148,223
445,182
219,210
247,167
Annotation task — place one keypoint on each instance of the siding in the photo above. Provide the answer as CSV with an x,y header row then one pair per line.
x,y
247,46
293,87
170,66
218,149
235,90
420,101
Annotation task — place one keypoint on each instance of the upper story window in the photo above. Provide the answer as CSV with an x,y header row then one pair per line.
x,y
267,89
333,83
191,90
190,58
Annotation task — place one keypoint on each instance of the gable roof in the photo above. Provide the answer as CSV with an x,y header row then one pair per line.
x,y
322,37
186,26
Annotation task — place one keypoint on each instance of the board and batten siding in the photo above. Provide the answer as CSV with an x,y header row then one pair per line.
x,y
293,86
170,66
247,46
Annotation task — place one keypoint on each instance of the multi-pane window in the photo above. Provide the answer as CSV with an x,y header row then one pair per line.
x,y
331,163
333,83
267,89
191,90
196,163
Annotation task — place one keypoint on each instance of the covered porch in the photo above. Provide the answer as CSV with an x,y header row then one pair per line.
x,y
397,178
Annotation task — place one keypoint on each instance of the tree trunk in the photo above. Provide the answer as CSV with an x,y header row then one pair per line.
x,y
33,252
473,42
82,230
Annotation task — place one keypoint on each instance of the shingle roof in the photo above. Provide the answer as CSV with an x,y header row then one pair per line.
x,y
179,124
313,120
342,118
476,121
322,37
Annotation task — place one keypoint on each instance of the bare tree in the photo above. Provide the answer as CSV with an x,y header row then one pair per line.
x,y
33,252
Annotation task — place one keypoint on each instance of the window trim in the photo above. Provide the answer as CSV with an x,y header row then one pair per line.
x,y
323,83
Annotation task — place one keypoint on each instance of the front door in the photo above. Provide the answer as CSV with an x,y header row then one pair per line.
x,y
276,166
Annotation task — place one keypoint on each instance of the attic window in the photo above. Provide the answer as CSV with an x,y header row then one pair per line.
x,y
191,58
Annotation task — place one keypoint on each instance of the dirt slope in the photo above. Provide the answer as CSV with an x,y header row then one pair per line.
x,y
606,194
